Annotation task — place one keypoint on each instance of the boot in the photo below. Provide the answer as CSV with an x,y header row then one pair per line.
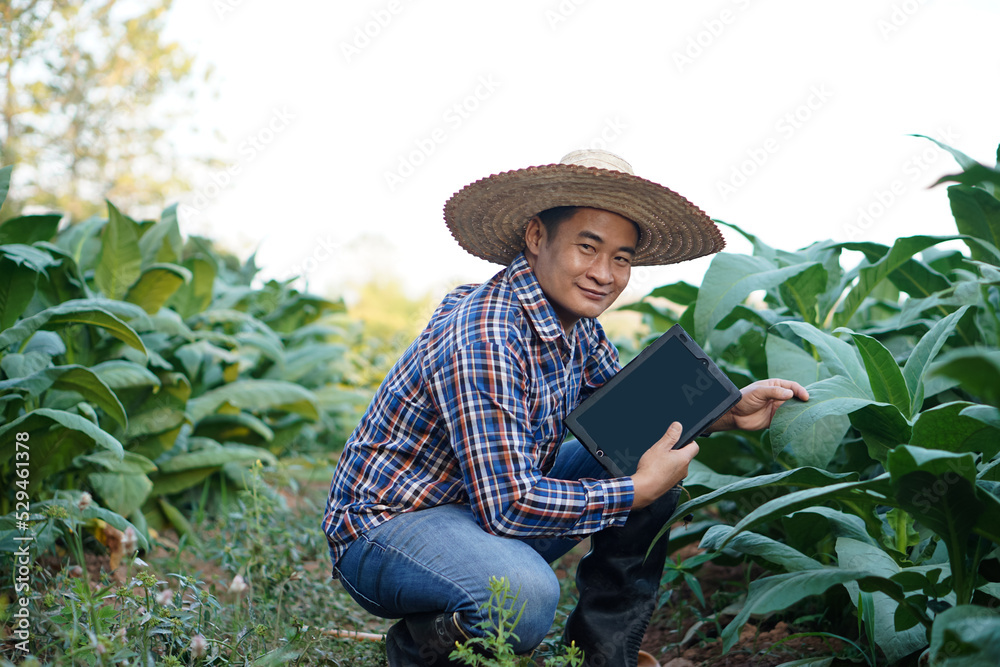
x,y
424,640
618,586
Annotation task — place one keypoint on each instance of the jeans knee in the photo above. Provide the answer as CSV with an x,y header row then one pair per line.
x,y
538,592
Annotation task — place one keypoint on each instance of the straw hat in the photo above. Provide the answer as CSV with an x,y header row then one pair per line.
x,y
488,217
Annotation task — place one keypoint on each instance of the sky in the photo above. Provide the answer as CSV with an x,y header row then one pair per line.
x,y
347,126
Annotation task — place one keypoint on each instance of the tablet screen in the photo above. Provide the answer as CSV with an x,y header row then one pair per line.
x,y
669,383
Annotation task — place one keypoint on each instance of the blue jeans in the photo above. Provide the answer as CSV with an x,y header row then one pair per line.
x,y
440,560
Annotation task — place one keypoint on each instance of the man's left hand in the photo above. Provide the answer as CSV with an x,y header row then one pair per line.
x,y
760,401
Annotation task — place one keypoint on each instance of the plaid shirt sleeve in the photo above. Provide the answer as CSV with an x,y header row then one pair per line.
x,y
483,395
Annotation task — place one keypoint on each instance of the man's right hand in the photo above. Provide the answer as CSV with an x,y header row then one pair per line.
x,y
662,467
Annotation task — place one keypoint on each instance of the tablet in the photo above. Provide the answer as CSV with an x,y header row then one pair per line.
x,y
671,380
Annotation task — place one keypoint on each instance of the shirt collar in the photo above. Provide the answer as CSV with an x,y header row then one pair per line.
x,y
529,292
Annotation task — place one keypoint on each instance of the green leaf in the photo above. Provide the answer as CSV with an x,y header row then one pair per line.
x,y
729,280
966,636
835,396
986,414
157,284
129,463
977,214
841,524
801,292
870,276
787,360
754,491
162,242
781,591
29,256
121,262
28,229
887,382
81,311
977,370
872,559
256,395
5,182
56,436
121,374
121,492
977,174
71,378
869,490
680,293
945,427
839,357
216,457
882,427
923,354
17,288
752,544
193,297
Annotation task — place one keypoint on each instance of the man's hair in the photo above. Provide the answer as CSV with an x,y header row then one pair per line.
x,y
552,218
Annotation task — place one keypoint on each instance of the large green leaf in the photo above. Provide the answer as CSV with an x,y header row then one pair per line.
x,y
869,490
835,396
946,427
729,280
966,636
787,360
923,354
28,229
17,288
55,437
752,544
752,492
162,242
121,262
71,378
839,524
977,370
870,276
840,357
82,311
194,296
121,492
801,292
680,293
121,374
864,556
256,395
977,214
781,591
157,284
882,427
888,385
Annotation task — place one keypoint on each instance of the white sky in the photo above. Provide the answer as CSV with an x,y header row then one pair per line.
x,y
687,92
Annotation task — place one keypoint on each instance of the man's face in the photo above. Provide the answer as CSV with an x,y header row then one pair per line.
x,y
585,264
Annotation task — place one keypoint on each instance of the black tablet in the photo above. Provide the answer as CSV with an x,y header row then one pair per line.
x,y
671,380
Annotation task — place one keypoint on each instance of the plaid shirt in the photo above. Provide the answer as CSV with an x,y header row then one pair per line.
x,y
472,413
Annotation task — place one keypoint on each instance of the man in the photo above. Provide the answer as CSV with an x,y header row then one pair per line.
x,y
458,472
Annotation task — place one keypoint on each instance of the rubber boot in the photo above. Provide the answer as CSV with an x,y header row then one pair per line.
x,y
618,586
424,640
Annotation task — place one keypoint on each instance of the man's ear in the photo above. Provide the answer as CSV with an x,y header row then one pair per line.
x,y
534,235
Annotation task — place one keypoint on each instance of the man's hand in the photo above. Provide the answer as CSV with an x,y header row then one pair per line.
x,y
760,401
662,467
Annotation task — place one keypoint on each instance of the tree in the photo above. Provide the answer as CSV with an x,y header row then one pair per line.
x,y
87,93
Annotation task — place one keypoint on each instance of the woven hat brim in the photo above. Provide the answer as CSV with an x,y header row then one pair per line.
x,y
488,217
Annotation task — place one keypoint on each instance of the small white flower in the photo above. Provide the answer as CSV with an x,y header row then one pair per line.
x,y
239,585
86,500
76,571
199,645
165,596
129,541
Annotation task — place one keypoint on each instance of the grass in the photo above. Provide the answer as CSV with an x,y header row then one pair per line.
x,y
184,603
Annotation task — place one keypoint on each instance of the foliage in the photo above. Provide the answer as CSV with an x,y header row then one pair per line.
x,y
151,373
494,648
82,91
884,483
